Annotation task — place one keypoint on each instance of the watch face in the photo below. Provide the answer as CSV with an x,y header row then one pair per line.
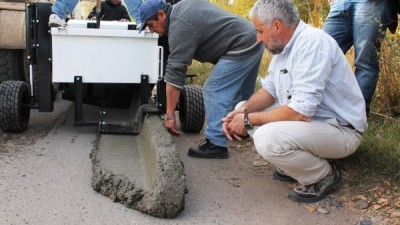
x,y
248,126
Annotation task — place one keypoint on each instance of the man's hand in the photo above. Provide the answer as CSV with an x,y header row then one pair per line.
x,y
233,125
330,2
226,120
172,101
170,124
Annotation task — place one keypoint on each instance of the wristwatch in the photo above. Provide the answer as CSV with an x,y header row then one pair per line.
x,y
168,117
246,123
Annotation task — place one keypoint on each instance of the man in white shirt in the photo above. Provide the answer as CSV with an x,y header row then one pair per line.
x,y
310,107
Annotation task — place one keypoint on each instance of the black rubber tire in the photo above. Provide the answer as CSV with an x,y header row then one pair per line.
x,y
14,66
11,65
14,106
191,109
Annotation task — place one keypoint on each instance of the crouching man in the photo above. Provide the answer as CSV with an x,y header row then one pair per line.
x,y
310,107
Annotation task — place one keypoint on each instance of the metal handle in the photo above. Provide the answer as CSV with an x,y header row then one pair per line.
x,y
98,11
160,63
98,7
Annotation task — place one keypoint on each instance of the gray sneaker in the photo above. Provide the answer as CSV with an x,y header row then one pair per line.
x,y
56,21
316,192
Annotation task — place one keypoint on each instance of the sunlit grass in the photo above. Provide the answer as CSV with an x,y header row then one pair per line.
x,y
379,152
387,97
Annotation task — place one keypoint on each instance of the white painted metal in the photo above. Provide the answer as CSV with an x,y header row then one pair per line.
x,y
111,54
115,25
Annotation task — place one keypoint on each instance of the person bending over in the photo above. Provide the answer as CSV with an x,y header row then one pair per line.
x,y
198,29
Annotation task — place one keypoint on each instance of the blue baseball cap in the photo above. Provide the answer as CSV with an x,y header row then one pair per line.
x,y
149,9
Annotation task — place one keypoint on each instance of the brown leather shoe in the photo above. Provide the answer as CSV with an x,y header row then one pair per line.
x,y
206,149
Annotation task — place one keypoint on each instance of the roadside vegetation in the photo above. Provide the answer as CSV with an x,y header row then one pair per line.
x,y
372,174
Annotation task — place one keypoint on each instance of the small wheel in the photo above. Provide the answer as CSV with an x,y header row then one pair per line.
x,y
191,109
14,106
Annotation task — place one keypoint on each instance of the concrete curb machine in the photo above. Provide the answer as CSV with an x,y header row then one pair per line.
x,y
111,65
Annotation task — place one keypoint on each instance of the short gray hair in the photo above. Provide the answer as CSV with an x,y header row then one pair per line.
x,y
269,10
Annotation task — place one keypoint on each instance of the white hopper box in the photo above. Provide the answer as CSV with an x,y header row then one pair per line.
x,y
111,54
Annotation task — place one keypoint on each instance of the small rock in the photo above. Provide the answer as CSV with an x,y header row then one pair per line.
x,y
336,203
366,222
377,220
234,183
329,201
311,207
361,204
322,210
260,163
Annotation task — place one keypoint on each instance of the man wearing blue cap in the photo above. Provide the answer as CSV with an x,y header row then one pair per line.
x,y
199,30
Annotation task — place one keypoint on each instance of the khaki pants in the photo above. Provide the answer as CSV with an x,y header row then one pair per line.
x,y
301,149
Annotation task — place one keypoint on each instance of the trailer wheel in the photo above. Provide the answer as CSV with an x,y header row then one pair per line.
x,y
191,109
14,66
11,65
14,106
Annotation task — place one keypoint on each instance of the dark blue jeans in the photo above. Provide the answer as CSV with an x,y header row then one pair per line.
x,y
361,23
64,7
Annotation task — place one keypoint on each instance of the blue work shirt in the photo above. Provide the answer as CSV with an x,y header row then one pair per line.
x,y
313,77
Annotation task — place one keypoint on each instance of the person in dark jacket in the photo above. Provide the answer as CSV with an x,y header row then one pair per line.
x,y
111,10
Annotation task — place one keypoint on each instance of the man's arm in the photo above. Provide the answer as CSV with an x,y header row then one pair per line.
x,y
172,100
234,128
182,45
262,99
283,113
258,101
233,123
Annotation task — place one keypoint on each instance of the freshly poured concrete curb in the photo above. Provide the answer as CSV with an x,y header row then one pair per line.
x,y
143,172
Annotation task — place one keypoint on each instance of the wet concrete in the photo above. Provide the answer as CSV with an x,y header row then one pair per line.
x,y
142,172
